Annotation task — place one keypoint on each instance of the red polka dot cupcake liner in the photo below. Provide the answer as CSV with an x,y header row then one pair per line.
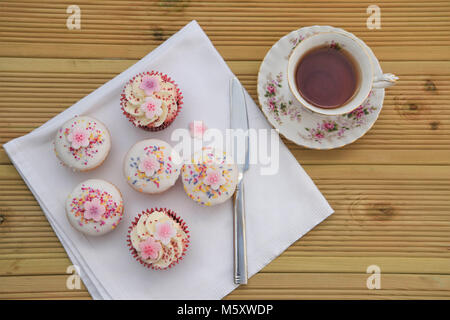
x,y
177,219
165,124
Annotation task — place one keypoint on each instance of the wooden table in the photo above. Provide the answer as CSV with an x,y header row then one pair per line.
x,y
390,189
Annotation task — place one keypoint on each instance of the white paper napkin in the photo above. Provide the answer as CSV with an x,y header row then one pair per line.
x,y
280,208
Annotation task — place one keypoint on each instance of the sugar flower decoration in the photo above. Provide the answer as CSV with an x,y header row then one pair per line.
x,y
214,178
78,137
149,165
165,231
197,129
149,84
151,107
150,248
93,209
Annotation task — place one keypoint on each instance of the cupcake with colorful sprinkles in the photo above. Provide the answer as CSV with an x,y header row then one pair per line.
x,y
210,178
152,166
151,101
94,207
158,239
82,143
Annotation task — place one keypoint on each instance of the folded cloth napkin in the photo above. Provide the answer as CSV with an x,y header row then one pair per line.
x,y
280,208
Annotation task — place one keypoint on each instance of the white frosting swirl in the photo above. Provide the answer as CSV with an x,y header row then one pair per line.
x,y
169,249
136,99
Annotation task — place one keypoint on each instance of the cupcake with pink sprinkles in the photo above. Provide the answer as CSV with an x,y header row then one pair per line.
x,y
158,238
151,101
82,143
94,207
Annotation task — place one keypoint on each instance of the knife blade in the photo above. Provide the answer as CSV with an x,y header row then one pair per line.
x,y
239,121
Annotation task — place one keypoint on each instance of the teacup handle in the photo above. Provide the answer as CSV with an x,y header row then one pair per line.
x,y
384,80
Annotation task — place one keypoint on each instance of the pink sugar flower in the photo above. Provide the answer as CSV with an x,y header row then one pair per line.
x,y
151,107
149,84
150,248
214,178
149,165
197,129
165,231
78,137
93,209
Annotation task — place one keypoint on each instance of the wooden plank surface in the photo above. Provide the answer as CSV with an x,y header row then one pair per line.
x,y
390,189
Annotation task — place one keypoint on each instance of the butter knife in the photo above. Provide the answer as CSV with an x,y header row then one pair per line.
x,y
239,120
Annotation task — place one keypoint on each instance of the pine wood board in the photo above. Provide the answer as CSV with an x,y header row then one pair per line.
x,y
414,118
390,189
272,286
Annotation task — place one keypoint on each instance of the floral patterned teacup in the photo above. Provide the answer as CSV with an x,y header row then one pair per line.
x,y
367,78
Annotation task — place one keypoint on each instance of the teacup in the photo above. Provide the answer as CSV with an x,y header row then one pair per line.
x,y
366,77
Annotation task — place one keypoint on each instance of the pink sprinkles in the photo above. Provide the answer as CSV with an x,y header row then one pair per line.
x,y
112,209
96,139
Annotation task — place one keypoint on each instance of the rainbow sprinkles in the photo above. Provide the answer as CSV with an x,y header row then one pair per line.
x,y
152,166
209,179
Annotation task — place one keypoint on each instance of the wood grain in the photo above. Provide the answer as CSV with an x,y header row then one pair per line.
x,y
390,189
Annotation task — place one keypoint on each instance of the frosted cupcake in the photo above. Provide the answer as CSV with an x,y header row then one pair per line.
x,y
151,101
82,143
209,179
94,207
152,166
158,239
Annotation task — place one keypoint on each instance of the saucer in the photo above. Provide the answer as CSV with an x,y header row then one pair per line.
x,y
295,122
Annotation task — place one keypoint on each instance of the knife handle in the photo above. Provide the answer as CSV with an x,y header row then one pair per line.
x,y
240,245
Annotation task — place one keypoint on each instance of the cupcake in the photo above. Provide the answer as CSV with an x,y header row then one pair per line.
x,y
158,239
152,166
151,101
209,179
94,207
82,143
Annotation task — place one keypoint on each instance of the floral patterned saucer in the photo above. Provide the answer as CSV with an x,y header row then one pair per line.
x,y
295,122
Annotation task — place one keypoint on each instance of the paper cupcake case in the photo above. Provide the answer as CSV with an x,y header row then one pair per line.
x,y
177,219
165,77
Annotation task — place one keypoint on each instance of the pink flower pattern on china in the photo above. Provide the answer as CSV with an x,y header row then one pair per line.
x,y
151,107
165,231
150,248
149,84
270,88
336,128
214,178
325,128
276,103
197,129
149,165
78,137
93,210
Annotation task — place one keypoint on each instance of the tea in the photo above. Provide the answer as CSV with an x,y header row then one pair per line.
x,y
327,77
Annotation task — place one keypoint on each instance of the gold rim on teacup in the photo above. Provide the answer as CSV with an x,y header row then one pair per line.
x,y
367,78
